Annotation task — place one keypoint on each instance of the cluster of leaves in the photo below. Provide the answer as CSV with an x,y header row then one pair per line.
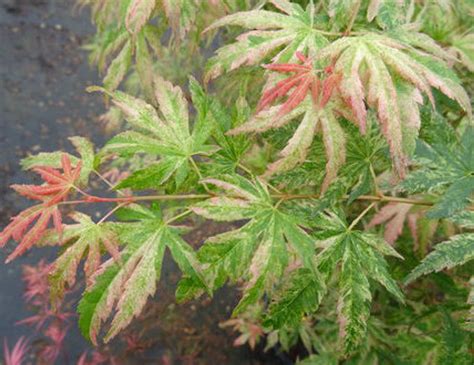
x,y
373,78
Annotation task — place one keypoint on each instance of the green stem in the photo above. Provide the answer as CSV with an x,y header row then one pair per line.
x,y
179,216
198,172
360,216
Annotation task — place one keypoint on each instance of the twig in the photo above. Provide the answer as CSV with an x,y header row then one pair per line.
x,y
360,216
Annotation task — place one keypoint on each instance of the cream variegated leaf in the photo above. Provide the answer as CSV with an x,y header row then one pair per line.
x,y
121,289
297,148
360,255
295,152
87,237
163,132
371,66
293,29
259,251
138,13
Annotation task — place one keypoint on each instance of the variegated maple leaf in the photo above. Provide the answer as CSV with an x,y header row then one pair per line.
x,y
86,236
167,135
370,69
316,116
56,188
293,29
360,257
304,81
260,251
121,289
455,251
446,168
393,215
390,77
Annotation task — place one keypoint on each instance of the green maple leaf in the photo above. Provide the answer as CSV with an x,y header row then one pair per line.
x,y
456,251
167,136
293,29
89,237
360,256
259,251
126,286
448,169
220,120
299,295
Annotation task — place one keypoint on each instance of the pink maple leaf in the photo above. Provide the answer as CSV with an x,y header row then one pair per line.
x,y
56,188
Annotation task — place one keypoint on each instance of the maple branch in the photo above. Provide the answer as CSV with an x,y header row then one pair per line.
x,y
282,196
131,199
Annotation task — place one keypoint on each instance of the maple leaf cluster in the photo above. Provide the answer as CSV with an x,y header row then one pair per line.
x,y
55,189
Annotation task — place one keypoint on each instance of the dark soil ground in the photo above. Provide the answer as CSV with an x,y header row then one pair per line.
x,y
43,76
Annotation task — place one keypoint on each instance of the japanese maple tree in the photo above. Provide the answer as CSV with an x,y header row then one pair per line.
x,y
336,134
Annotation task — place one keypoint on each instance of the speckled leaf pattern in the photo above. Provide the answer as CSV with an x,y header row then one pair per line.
x,y
258,250
121,289
448,169
87,237
456,251
361,257
292,29
166,135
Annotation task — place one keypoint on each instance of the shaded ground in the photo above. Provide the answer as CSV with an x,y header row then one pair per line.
x,y
43,75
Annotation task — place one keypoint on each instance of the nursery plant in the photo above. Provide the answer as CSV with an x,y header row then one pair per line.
x,y
336,135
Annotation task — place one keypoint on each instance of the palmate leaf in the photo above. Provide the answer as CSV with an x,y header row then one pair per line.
x,y
456,251
372,69
389,76
259,251
448,169
126,286
361,257
88,237
393,215
293,29
168,136
297,148
30,225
